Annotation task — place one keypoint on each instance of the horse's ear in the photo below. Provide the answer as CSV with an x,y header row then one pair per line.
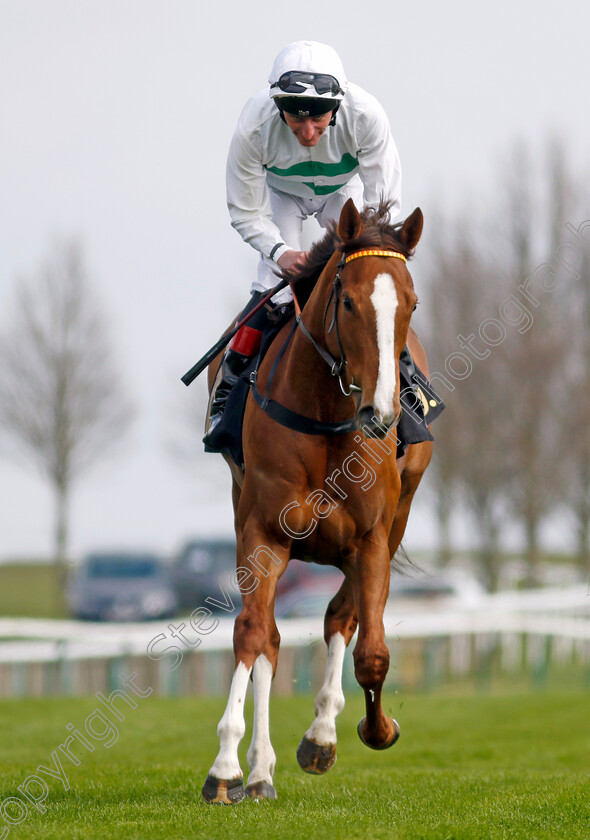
x,y
349,226
412,229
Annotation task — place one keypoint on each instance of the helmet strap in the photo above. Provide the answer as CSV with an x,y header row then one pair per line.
x,y
334,112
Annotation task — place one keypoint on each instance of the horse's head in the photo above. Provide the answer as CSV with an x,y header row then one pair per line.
x,y
370,310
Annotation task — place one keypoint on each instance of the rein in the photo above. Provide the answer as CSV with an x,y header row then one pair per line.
x,y
337,365
291,419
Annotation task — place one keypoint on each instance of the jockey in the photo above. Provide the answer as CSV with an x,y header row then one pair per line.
x,y
302,147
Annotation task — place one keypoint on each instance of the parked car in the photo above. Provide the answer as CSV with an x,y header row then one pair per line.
x,y
199,571
445,588
203,566
311,593
121,586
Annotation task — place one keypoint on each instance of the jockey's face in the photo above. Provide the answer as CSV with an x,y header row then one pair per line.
x,y
308,130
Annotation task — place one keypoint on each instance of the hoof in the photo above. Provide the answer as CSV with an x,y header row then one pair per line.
x,y
261,790
315,758
387,745
223,791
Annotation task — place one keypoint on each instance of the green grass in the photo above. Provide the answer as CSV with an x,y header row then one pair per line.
x,y
483,767
30,590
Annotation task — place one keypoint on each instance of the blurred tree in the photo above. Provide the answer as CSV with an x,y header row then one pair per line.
x,y
577,411
470,463
436,323
61,403
537,349
513,443
571,203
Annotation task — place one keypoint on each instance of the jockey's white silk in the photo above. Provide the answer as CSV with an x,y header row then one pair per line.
x,y
264,154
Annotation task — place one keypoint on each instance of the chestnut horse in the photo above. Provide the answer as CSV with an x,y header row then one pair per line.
x,y
333,491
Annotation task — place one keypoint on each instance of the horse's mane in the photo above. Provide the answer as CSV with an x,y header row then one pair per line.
x,y
376,232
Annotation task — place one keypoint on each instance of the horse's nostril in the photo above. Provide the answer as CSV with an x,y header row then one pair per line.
x,y
372,424
368,420
366,417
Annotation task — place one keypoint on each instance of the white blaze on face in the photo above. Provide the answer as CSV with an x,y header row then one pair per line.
x,y
384,299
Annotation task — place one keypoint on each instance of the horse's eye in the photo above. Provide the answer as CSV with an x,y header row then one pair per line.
x,y
347,303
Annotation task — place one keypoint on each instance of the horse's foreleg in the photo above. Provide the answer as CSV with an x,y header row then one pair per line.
x,y
256,642
317,751
224,784
371,656
261,756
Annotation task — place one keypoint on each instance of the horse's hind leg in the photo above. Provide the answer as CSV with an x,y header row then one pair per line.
x,y
412,467
317,751
255,647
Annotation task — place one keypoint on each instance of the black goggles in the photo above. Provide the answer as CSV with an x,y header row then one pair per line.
x,y
294,81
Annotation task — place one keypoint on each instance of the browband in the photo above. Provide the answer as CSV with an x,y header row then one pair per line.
x,y
374,253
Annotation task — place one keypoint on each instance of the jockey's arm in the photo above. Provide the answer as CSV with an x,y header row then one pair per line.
x,y
248,200
379,163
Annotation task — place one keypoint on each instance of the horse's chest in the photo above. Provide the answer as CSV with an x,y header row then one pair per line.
x,y
358,486
341,503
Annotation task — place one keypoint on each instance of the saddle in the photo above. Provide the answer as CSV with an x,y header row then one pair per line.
x,y
420,405
226,438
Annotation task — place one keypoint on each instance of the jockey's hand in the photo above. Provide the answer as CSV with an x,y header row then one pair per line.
x,y
291,260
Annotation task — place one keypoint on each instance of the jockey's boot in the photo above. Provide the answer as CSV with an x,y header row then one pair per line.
x,y
243,347
233,365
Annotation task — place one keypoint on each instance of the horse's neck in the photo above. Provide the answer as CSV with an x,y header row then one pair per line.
x,y
307,376
315,308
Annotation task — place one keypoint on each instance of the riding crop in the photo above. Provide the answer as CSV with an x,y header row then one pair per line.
x,y
203,362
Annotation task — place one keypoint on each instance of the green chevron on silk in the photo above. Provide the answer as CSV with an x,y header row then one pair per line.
x,y
330,188
311,168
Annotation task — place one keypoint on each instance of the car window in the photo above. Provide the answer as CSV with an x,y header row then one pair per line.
x,y
207,557
225,556
116,567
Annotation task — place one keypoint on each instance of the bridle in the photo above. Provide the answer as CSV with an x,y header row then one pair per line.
x,y
292,419
337,365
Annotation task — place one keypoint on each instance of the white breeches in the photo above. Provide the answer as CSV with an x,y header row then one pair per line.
x,y
288,213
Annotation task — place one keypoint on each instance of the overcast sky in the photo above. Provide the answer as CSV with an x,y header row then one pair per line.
x,y
115,118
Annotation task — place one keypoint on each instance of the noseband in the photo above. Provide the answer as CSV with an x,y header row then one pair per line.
x,y
337,365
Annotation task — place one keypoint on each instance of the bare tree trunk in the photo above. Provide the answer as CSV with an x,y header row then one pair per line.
x,y
582,514
489,529
490,561
60,559
532,550
443,515
582,502
583,553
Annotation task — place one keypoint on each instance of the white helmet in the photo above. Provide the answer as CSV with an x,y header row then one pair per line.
x,y
307,78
